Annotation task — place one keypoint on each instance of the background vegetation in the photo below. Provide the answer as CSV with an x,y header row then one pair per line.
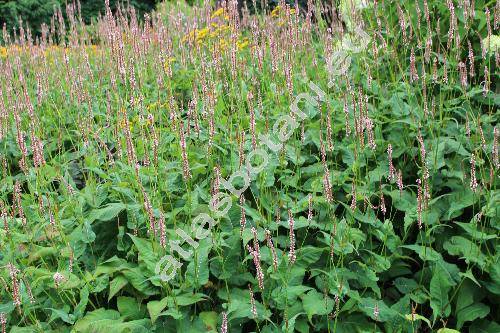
x,y
35,12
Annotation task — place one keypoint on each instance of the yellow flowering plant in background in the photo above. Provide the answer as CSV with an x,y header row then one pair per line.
x,y
167,63
278,11
220,13
217,32
3,52
242,44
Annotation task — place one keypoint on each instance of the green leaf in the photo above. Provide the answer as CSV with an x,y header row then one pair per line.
x,y
447,330
470,276
41,252
28,329
139,281
146,254
7,307
239,308
366,277
189,299
210,319
156,307
63,315
112,265
465,295
458,201
106,213
368,305
135,326
290,325
308,255
405,285
99,284
495,272
425,253
174,313
87,235
439,288
471,229
129,308
84,299
97,317
116,285
415,317
484,326
283,295
315,303
197,270
459,245
472,312
402,306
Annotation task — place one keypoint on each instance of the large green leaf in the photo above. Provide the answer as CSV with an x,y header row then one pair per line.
x,y
472,312
472,230
139,281
116,285
210,318
460,200
63,315
425,252
439,287
197,270
96,318
459,245
135,326
369,305
84,299
156,307
315,303
129,308
146,254
107,212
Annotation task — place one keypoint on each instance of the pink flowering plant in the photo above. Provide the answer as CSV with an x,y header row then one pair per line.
x,y
254,167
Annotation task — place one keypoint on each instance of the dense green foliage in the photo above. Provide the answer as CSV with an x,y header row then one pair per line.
x,y
35,12
380,212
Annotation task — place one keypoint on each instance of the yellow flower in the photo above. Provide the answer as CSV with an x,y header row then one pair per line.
x,y
214,33
223,44
3,52
169,60
218,12
242,44
200,34
188,36
276,11
152,106
123,123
